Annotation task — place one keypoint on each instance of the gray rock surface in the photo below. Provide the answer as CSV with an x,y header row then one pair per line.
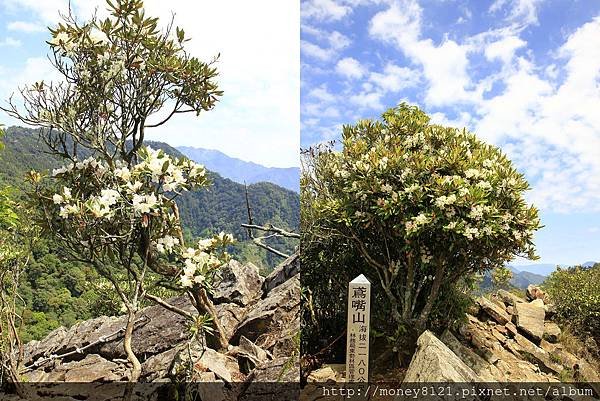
x,y
434,362
239,284
530,319
264,324
493,310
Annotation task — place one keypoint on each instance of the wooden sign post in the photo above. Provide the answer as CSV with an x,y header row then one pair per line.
x,y
357,344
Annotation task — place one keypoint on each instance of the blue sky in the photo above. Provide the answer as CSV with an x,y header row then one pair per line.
x,y
522,74
256,120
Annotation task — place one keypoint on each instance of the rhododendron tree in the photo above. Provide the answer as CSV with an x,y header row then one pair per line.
x,y
422,204
112,204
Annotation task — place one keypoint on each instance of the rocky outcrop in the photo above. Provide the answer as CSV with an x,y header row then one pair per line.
x,y
262,322
433,362
239,284
534,292
282,273
530,317
551,332
495,311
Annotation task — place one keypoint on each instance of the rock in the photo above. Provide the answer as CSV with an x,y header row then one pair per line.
x,y
538,302
93,368
280,370
250,355
551,332
205,360
512,329
534,292
510,310
493,310
240,284
550,311
230,315
529,350
265,377
434,362
156,331
282,273
158,366
530,319
508,298
272,318
548,347
322,375
479,365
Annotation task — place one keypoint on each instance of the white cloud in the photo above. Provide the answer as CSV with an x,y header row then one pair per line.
x,y
335,42
324,10
350,68
444,65
10,42
504,48
394,78
368,100
520,12
257,118
27,27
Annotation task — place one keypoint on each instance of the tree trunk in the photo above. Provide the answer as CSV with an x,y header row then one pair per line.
x,y
220,341
136,367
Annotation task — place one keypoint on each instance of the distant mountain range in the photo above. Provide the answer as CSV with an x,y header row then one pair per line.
x,y
545,269
242,171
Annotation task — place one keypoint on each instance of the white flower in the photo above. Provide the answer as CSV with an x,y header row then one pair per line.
x,y
134,187
144,203
190,267
97,36
108,197
387,188
421,219
205,244
185,281
167,243
189,253
65,211
123,173
472,173
198,279
383,163
484,185
445,200
57,199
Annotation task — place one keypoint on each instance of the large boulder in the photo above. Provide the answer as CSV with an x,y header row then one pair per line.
x,y
509,298
156,330
433,362
534,292
551,332
493,310
530,319
272,318
282,273
239,284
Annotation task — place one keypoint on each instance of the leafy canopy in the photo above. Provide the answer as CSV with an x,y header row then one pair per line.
x,y
421,203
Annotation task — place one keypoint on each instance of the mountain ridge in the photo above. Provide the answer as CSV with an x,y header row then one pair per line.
x,y
242,171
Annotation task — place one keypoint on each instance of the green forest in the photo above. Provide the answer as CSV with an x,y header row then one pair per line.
x,y
59,292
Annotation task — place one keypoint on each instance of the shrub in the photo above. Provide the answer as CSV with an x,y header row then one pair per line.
x,y
415,206
575,293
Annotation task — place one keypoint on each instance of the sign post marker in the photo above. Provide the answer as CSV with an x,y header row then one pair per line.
x,y
357,334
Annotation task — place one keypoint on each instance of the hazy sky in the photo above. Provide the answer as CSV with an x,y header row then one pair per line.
x,y
257,118
523,74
